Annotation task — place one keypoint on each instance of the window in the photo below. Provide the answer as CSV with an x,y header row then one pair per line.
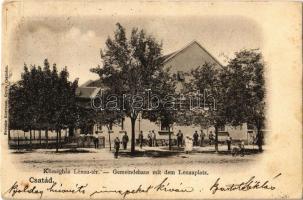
x,y
164,126
221,128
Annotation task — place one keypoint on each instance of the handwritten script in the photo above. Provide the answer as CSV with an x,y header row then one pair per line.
x,y
164,185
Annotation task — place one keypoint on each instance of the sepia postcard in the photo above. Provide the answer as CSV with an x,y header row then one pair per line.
x,y
151,99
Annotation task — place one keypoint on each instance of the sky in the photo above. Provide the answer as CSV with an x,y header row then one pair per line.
x,y
75,42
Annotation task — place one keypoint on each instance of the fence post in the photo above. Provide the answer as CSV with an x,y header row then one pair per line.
x,y
40,137
57,138
60,138
46,136
18,141
30,139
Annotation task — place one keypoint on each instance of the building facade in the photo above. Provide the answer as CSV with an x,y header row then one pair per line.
x,y
181,63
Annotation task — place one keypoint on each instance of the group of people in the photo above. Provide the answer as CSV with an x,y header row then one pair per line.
x,y
189,142
117,142
196,141
152,139
211,139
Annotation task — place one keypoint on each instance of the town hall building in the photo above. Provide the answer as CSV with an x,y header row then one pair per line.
x,y
181,63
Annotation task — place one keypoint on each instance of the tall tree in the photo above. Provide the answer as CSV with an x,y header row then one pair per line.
x,y
207,80
42,99
167,111
108,118
246,91
132,66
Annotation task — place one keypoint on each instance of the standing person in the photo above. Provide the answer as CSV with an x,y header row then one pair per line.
x,y
196,136
116,146
202,136
188,144
179,138
210,137
242,148
96,140
150,140
141,139
228,141
125,140
154,138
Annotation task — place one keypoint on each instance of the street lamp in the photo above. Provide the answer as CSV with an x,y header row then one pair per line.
x,y
139,120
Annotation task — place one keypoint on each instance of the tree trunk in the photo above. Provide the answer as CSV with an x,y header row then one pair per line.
x,y
34,134
71,131
169,139
110,143
18,141
216,139
57,142
133,123
259,139
40,137
46,137
30,138
60,138
122,123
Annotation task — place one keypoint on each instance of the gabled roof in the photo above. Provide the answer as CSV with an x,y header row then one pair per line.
x,y
91,87
165,57
170,56
86,83
87,92
92,83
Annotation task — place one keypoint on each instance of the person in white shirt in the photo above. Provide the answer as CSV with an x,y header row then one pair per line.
x,y
188,144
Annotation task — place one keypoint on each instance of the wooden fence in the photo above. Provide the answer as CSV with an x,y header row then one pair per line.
x,y
51,143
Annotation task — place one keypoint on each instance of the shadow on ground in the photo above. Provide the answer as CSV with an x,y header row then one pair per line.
x,y
22,152
246,152
54,152
71,151
221,152
149,153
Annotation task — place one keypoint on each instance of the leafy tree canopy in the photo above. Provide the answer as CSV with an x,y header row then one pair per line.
x,y
43,98
131,67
